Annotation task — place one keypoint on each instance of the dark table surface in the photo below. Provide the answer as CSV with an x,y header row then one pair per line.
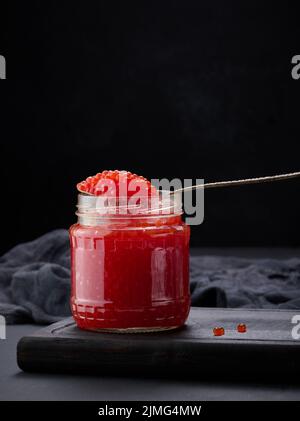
x,y
17,385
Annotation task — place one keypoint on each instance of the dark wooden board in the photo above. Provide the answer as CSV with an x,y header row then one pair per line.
x,y
267,349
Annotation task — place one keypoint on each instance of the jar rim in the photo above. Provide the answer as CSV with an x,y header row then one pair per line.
x,y
91,209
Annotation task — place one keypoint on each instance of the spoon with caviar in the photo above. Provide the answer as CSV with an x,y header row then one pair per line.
x,y
99,184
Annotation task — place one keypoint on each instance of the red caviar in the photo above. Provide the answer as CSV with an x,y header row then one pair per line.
x,y
241,328
129,271
218,331
115,183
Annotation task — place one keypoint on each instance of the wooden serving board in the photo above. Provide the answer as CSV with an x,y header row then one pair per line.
x,y
266,349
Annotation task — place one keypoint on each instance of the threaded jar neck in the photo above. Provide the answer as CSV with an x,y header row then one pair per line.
x,y
99,210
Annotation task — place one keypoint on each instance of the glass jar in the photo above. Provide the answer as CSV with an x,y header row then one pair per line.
x,y
130,272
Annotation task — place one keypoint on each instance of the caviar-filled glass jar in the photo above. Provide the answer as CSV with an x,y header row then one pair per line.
x,y
130,272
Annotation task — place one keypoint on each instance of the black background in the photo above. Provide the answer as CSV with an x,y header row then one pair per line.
x,y
183,89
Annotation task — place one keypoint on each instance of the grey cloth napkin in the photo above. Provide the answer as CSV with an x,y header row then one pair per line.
x,y
35,281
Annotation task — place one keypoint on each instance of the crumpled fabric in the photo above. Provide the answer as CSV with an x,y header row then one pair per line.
x,y
35,281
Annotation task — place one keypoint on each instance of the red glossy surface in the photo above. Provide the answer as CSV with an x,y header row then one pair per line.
x,y
111,183
241,328
132,275
219,331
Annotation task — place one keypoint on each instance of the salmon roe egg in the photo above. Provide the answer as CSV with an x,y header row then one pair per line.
x,y
218,331
241,328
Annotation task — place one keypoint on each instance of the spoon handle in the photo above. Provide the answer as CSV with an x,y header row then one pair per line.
x,y
244,181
